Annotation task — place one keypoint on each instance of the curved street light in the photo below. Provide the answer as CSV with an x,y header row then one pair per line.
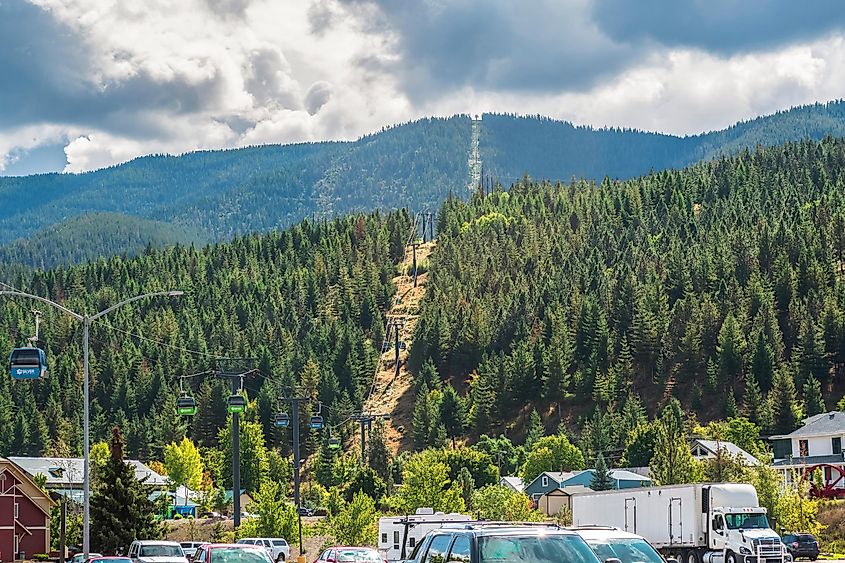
x,y
86,321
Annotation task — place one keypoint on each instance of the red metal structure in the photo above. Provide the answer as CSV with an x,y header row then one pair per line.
x,y
833,479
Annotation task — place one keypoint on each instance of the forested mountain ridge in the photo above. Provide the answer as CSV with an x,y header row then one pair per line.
x,y
543,148
722,284
226,193
220,194
90,236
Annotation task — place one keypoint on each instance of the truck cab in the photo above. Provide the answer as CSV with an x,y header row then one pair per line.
x,y
740,532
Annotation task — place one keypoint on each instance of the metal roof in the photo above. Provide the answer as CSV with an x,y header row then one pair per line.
x,y
514,482
67,472
810,460
824,424
712,446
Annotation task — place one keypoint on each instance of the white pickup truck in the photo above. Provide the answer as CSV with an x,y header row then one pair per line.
x,y
697,523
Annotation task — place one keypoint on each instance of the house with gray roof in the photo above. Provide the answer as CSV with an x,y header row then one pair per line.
x,y
817,443
514,483
708,449
65,474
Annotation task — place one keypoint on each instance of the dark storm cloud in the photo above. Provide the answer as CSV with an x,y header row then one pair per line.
x,y
540,45
721,26
47,77
571,45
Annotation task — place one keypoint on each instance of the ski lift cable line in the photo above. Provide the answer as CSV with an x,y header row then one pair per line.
x,y
167,345
388,322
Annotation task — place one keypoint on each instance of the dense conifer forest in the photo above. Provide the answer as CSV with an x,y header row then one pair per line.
x,y
721,284
215,195
306,303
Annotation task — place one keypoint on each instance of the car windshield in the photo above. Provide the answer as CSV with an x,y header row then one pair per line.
x,y
535,549
344,555
161,551
746,521
626,550
238,555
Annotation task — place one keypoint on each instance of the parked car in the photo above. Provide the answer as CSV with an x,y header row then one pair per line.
x,y
189,548
610,543
152,551
502,543
80,557
231,553
801,545
277,548
212,515
350,555
110,559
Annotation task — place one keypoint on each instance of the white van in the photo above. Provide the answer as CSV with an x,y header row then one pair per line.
x,y
277,548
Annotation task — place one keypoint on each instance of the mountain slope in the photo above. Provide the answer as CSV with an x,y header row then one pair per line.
x,y
90,236
720,284
544,148
221,194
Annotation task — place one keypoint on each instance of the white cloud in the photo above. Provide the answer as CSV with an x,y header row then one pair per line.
x,y
163,76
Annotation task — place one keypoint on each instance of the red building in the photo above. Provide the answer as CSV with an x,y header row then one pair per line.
x,y
24,514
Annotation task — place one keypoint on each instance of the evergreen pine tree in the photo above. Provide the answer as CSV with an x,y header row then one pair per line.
x,y
672,462
602,477
783,402
536,429
422,421
452,413
813,399
120,507
378,456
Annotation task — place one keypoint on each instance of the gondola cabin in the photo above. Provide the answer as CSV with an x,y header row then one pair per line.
x,y
236,404
281,420
334,443
28,363
186,406
316,423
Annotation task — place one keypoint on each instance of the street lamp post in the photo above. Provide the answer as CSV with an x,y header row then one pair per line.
x,y
86,321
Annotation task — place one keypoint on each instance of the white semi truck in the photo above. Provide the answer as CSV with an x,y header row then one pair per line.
x,y
697,523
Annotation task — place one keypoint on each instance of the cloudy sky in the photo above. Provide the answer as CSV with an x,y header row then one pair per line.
x,y
89,83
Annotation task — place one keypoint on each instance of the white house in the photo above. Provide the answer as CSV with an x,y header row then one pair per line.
x,y
817,443
707,449
514,483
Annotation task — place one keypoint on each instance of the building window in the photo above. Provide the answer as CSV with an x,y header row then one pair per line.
x,y
836,443
545,481
17,511
803,448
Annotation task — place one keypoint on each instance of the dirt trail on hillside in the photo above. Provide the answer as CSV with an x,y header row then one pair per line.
x,y
392,393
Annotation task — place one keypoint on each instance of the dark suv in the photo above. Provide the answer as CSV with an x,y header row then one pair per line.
x,y
801,545
488,542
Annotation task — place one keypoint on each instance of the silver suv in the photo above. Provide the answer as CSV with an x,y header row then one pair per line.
x,y
277,548
149,551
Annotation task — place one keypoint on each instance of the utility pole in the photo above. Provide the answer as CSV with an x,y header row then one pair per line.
x,y
236,458
281,420
414,245
397,344
366,422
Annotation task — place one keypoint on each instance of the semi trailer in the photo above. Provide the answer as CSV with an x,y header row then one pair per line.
x,y
696,523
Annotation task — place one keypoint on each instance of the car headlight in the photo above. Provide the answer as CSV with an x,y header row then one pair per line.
x,y
744,550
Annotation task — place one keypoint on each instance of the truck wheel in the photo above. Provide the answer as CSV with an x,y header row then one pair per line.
x,y
280,558
731,558
692,556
